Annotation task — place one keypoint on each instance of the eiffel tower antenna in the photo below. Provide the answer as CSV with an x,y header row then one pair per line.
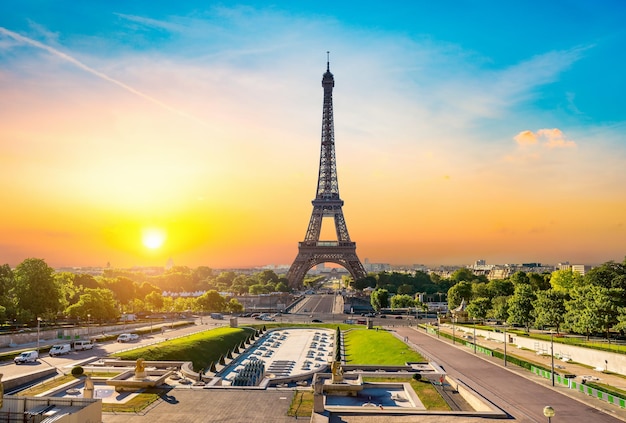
x,y
327,203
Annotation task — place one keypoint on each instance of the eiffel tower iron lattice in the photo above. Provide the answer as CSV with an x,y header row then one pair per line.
x,y
312,251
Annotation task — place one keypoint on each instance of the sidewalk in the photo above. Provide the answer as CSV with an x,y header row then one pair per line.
x,y
559,366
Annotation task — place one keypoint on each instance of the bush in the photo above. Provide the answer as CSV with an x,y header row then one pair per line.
x,y
77,371
417,376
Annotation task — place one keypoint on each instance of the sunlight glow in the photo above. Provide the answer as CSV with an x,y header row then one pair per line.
x,y
153,238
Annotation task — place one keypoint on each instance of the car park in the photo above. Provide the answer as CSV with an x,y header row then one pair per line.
x,y
26,357
60,349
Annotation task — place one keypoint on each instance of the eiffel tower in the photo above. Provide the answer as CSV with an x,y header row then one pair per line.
x,y
312,251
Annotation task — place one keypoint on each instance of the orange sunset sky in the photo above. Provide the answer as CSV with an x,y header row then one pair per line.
x,y
131,134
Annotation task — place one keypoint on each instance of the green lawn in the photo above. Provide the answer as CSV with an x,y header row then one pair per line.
x,y
367,346
201,349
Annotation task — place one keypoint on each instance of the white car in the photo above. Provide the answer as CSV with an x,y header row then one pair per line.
x,y
60,349
26,357
83,345
127,337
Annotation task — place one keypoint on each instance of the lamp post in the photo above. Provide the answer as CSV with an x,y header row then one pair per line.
x,y
88,323
548,412
552,356
438,324
453,332
506,341
474,321
38,326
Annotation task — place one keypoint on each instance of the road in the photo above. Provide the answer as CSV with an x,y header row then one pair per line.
x,y
66,362
522,398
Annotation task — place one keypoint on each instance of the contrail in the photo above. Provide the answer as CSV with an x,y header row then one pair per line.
x,y
81,65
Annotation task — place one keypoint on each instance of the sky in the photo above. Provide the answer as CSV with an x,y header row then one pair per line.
x,y
135,132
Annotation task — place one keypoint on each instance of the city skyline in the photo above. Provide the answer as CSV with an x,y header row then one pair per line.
x,y
132,133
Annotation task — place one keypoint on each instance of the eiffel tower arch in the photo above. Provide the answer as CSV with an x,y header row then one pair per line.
x,y
327,203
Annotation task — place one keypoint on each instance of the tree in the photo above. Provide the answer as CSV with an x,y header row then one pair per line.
x,y
379,299
521,305
500,288
479,307
282,287
405,288
463,274
565,280
154,301
35,290
460,291
366,282
211,301
123,288
234,306
500,308
402,301
96,304
519,277
549,308
593,308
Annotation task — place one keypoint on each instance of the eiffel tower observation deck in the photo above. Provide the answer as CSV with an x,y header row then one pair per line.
x,y
327,203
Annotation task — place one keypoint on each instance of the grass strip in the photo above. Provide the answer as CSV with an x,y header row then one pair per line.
x,y
301,404
366,346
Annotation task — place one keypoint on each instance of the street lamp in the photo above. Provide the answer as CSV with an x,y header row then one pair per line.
x,y
548,412
506,341
474,321
88,322
552,356
453,331
438,324
38,326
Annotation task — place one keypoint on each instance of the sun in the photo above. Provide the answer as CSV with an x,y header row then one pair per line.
x,y
153,238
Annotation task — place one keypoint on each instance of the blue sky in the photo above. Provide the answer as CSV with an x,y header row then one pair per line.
x,y
490,129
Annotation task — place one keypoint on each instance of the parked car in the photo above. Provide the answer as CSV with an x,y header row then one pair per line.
x,y
398,317
316,321
60,349
127,337
27,357
82,345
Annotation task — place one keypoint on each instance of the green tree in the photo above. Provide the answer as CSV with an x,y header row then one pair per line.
x,y
405,288
211,301
521,305
96,304
154,301
379,299
462,274
234,306
565,280
36,292
500,308
402,301
549,308
519,277
282,287
479,307
267,276
456,294
593,308
500,288
362,283
608,275
123,288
